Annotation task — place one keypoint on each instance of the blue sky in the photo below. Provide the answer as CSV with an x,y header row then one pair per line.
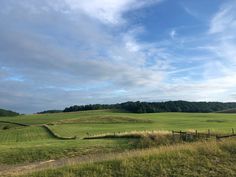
x,y
57,53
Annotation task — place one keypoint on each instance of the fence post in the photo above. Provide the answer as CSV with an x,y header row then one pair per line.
x,y
173,135
180,135
232,131
209,133
196,134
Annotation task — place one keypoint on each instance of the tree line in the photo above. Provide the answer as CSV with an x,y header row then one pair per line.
x,y
154,107
49,111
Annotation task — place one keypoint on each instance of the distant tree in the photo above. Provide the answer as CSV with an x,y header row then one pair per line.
x,y
151,107
49,111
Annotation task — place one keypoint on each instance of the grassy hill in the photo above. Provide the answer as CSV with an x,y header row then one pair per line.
x,y
34,146
192,160
4,112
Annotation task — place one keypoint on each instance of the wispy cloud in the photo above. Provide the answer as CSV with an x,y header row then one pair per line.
x,y
72,51
57,53
173,33
108,11
224,20
191,11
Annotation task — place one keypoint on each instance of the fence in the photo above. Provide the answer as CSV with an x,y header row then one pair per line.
x,y
191,136
218,137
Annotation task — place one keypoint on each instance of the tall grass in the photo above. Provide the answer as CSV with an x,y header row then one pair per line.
x,y
201,159
43,150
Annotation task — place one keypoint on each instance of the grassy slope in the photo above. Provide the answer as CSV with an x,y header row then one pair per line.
x,y
163,121
192,160
33,143
8,126
42,150
24,134
157,121
35,119
4,112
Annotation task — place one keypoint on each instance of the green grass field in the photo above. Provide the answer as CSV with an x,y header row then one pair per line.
x,y
24,134
28,144
161,121
5,126
194,160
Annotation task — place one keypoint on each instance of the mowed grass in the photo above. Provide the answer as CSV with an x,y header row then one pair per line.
x,y
82,123
5,126
34,143
33,133
36,119
202,159
221,123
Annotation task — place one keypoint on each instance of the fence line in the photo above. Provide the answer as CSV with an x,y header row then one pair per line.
x,y
190,136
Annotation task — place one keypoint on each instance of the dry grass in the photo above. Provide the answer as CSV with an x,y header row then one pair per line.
x,y
131,134
103,120
188,159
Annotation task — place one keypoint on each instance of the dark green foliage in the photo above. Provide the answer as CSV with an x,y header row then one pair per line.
x,y
228,111
88,107
49,111
152,107
4,112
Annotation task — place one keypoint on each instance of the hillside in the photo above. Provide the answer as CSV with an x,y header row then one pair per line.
x,y
4,112
154,107
28,144
197,159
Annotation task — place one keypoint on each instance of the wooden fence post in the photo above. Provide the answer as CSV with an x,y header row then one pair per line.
x,y
173,135
209,133
232,131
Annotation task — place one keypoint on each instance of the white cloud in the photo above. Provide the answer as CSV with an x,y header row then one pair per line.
x,y
60,53
225,19
191,12
173,34
108,11
222,28
65,53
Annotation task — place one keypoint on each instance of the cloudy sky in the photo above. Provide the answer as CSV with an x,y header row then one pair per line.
x,y
57,53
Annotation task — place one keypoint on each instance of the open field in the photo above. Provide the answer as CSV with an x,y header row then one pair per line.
x,y
24,145
5,126
151,121
193,160
24,134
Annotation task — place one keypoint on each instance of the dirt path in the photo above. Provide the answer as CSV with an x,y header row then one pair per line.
x,y
14,170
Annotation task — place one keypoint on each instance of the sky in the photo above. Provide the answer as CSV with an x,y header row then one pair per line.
x,y
58,53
